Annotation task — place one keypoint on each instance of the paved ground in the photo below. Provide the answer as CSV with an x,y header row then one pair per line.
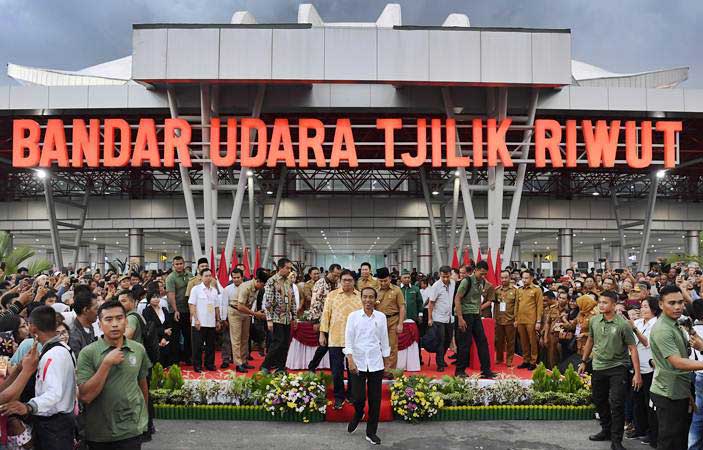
x,y
211,435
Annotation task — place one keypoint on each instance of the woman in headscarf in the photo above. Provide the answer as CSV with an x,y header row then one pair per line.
x,y
587,309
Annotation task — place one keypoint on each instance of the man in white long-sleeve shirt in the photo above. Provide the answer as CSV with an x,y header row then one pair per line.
x,y
54,389
366,346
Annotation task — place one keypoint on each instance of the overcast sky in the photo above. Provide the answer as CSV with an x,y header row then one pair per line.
x,y
618,35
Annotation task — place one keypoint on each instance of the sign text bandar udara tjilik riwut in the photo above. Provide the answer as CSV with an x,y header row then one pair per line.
x,y
36,146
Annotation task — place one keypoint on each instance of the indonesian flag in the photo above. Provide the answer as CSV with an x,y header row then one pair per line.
x,y
212,260
491,275
499,267
234,259
222,269
478,257
245,259
467,259
257,259
455,260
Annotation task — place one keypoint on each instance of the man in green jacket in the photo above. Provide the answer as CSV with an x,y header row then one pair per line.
x,y
413,297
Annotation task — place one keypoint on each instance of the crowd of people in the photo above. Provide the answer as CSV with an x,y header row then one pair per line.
x,y
77,348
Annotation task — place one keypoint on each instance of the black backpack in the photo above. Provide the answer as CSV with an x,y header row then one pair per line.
x,y
29,391
150,336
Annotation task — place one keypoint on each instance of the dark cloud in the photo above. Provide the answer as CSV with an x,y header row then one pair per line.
x,y
621,36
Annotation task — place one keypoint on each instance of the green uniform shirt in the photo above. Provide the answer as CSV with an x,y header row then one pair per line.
x,y
413,301
471,302
135,323
610,341
666,340
178,282
119,411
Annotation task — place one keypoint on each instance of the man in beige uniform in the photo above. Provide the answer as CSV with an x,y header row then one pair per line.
x,y
240,314
366,280
528,319
391,302
305,290
504,314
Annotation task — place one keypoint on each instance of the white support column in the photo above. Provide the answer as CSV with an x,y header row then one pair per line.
x,y
597,253
84,255
693,242
565,249
516,254
208,216
278,250
651,201
455,208
615,261
100,258
274,215
430,214
520,179
136,246
235,219
185,183
252,210
407,262
187,253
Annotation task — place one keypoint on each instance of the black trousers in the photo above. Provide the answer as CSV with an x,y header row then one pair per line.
x,y
645,417
373,382
444,336
317,358
337,364
278,351
474,330
181,328
674,422
55,432
206,336
608,390
134,443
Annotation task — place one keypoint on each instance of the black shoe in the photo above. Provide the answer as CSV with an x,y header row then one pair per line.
x,y
645,440
532,367
373,439
146,437
353,425
461,374
188,362
488,375
338,404
616,445
224,365
600,436
210,368
280,372
633,435
241,368
440,369
452,356
250,358
248,366
197,369
523,365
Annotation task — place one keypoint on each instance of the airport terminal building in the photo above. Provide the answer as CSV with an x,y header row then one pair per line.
x,y
350,142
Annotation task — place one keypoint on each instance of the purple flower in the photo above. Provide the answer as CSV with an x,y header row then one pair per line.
x,y
412,406
410,392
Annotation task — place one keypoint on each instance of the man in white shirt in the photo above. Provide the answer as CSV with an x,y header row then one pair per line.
x,y
366,346
440,313
229,293
204,306
54,388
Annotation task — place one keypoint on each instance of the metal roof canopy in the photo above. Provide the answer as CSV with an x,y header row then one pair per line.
x,y
301,53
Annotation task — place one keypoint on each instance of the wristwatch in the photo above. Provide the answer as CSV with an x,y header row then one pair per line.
x,y
30,409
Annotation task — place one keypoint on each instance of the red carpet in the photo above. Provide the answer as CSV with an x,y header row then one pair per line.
x,y
346,413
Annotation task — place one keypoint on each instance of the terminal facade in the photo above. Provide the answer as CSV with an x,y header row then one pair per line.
x,y
351,142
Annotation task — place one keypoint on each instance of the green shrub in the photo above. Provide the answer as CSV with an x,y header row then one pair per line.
x,y
157,376
540,380
572,382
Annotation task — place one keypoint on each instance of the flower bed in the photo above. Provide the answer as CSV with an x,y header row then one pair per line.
x,y
286,397
552,396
